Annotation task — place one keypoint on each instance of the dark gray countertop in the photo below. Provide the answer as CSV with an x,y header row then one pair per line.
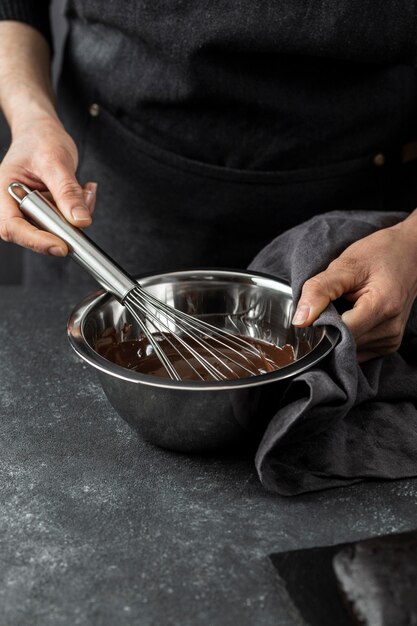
x,y
98,527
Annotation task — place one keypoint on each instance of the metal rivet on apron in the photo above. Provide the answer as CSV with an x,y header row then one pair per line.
x,y
94,109
379,159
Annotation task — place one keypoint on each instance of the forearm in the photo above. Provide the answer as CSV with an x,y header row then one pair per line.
x,y
42,154
26,90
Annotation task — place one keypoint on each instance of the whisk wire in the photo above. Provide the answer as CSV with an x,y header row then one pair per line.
x,y
183,356
149,318
213,371
186,324
203,326
159,352
234,343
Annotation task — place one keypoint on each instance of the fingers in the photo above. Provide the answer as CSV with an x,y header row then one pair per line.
x,y
367,355
387,333
366,320
320,290
90,195
89,191
17,230
67,193
14,227
379,339
363,317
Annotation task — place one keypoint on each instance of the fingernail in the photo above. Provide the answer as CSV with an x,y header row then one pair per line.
x,y
80,214
56,251
345,317
301,314
88,197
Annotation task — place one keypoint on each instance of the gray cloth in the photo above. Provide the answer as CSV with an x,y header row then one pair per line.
x,y
339,422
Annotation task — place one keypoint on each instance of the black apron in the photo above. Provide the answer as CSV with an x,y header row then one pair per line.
x,y
158,211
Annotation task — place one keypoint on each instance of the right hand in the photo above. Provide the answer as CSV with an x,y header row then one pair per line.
x,y
44,157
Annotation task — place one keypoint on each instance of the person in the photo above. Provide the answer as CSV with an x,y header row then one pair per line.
x,y
211,127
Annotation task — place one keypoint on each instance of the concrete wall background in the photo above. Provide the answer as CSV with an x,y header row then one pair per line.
x,y
11,256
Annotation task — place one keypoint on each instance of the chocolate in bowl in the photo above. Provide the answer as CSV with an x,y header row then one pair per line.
x,y
139,355
190,415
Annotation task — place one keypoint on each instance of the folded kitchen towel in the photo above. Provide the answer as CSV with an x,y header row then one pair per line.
x,y
339,422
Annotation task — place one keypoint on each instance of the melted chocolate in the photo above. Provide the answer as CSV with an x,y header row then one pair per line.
x,y
138,354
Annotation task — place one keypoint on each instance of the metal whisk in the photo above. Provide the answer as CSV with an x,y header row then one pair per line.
x,y
189,335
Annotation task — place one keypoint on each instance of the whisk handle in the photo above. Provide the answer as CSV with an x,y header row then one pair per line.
x,y
101,267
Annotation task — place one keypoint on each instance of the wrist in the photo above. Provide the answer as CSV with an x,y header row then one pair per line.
x,y
408,225
26,117
407,231
26,102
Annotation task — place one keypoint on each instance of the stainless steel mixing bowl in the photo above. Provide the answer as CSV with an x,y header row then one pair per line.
x,y
195,416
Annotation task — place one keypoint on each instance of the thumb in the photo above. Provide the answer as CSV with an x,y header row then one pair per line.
x,y
319,291
68,195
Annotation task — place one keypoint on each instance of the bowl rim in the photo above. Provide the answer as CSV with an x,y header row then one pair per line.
x,y
77,340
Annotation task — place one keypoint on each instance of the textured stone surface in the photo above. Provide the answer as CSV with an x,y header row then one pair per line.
x,y
98,527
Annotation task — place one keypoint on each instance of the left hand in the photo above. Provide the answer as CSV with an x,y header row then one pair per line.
x,y
378,274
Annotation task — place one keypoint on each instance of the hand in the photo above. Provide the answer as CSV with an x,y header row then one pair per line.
x,y
378,274
44,157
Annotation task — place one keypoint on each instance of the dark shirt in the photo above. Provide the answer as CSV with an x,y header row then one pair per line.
x,y
249,84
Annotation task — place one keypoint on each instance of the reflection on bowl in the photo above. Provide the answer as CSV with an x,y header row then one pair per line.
x,y
193,415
